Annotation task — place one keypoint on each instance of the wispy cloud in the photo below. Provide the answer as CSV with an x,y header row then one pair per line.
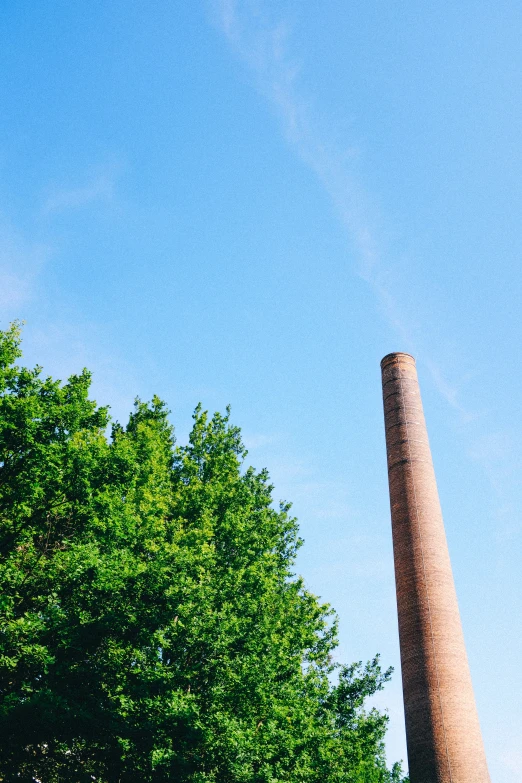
x,y
448,390
20,264
98,187
22,259
263,44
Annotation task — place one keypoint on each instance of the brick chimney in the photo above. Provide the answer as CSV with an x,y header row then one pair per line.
x,y
442,728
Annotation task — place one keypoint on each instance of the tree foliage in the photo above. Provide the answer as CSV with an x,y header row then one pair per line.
x,y
152,627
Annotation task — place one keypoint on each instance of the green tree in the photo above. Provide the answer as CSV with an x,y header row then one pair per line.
x,y
151,625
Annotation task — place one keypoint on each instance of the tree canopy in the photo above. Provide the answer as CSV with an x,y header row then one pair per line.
x,y
152,627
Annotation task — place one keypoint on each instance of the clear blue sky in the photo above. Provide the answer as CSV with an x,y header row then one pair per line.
x,y
251,203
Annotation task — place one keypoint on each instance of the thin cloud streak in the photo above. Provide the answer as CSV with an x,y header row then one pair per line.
x,y
448,391
99,188
21,262
262,45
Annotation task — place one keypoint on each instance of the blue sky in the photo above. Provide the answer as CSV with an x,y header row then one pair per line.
x,y
251,203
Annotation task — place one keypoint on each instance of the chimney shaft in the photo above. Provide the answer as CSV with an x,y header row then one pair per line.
x,y
442,729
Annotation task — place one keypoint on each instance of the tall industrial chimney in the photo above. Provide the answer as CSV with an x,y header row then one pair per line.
x,y
442,728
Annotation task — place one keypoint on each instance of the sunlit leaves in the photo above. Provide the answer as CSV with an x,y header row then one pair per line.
x,y
152,627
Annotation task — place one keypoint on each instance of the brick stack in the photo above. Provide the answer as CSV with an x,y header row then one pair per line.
x,y
442,728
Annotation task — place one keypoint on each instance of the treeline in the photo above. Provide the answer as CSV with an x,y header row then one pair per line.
x,y
151,626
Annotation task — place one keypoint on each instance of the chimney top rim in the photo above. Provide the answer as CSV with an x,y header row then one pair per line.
x,y
391,357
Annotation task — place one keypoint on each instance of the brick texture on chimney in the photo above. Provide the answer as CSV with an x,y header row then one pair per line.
x,y
442,728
